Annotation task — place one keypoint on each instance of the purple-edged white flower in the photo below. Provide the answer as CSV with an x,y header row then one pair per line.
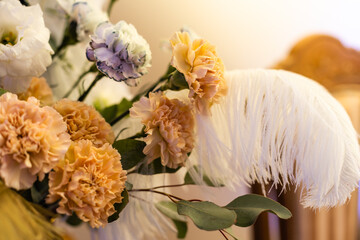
x,y
119,52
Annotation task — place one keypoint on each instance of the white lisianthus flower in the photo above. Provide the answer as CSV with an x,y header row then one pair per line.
x,y
24,45
119,52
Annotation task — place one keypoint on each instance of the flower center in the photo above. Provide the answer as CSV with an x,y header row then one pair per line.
x,y
9,37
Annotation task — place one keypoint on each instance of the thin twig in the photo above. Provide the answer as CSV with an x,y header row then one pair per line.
x,y
221,231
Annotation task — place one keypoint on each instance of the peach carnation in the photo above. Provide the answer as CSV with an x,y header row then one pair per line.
x,y
84,122
39,89
202,68
169,126
32,140
89,181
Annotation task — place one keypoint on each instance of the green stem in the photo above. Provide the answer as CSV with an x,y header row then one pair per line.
x,y
77,82
138,135
118,118
110,7
170,196
84,95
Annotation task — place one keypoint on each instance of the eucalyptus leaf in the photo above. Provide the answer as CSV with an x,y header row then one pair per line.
x,y
169,209
155,167
188,180
131,152
119,206
181,228
250,206
207,215
2,91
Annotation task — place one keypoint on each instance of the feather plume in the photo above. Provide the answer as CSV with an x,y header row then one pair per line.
x,y
280,126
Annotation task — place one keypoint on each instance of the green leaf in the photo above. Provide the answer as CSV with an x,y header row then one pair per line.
x,y
128,186
169,209
119,206
73,220
178,82
207,215
181,228
111,112
131,152
190,181
40,190
250,206
2,91
155,167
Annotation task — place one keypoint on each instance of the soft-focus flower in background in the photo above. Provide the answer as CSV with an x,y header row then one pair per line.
x,y
202,68
169,125
84,122
87,18
24,45
40,90
119,52
89,181
32,140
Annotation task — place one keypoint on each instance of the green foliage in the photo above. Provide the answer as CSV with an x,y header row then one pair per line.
x,y
40,190
249,207
2,91
128,186
190,181
155,167
73,220
111,112
181,228
207,215
119,206
178,82
169,209
131,152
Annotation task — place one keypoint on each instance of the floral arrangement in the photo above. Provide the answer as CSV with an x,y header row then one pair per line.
x,y
61,157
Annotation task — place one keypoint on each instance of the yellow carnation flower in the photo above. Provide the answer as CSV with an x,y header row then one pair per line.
x,y
89,181
202,68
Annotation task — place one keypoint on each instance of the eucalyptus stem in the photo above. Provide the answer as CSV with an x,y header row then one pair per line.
x,y
84,95
222,233
170,196
77,82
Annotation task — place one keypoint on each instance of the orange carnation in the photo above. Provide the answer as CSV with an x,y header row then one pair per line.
x,y
84,122
89,181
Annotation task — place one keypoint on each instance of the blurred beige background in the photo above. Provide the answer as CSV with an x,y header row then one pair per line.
x,y
247,33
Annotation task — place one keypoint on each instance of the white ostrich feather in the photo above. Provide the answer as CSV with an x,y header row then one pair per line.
x,y
280,126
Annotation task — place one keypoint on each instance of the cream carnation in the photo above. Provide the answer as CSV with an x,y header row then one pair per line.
x,y
202,68
84,122
32,140
169,125
89,181
39,89
24,48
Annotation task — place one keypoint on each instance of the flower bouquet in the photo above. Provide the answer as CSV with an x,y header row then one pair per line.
x,y
62,156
